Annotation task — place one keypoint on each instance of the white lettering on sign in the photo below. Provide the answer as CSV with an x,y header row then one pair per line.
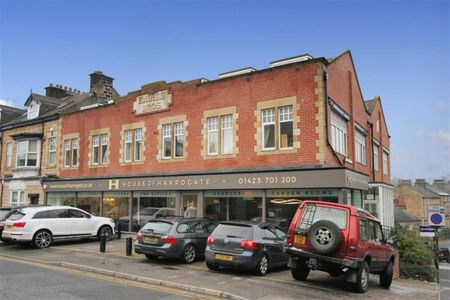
x,y
150,103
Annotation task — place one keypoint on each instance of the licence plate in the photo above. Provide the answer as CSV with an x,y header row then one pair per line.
x,y
299,239
224,257
151,240
8,227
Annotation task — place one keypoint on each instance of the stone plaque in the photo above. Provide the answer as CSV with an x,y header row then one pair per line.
x,y
151,103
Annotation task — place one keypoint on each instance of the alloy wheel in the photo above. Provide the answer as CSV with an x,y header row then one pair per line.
x,y
263,265
189,254
43,239
323,236
106,230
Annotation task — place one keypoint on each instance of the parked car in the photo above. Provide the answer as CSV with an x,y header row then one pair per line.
x,y
5,212
241,245
43,225
145,214
176,237
444,254
339,239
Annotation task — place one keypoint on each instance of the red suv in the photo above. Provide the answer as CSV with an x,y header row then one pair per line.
x,y
338,239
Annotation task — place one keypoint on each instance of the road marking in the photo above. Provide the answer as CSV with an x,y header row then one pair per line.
x,y
168,290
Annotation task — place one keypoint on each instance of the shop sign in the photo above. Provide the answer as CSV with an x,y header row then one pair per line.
x,y
154,194
303,193
151,103
233,194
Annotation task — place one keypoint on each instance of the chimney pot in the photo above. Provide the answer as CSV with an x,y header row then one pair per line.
x,y
50,84
421,182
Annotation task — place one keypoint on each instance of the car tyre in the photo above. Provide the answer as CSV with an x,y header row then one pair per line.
x,y
42,239
263,265
362,278
212,267
386,275
151,256
324,237
300,271
189,254
106,230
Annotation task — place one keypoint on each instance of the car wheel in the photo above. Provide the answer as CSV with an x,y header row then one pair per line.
x,y
151,256
42,239
105,230
189,254
324,237
263,265
300,271
212,267
386,275
362,278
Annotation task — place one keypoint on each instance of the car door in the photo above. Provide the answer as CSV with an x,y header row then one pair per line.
x,y
81,224
59,222
375,247
200,235
272,244
381,246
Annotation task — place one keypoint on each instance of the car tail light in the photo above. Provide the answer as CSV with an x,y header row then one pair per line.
x,y
248,244
168,239
210,240
138,236
20,224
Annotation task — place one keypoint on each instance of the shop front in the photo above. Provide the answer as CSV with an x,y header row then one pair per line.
x,y
258,196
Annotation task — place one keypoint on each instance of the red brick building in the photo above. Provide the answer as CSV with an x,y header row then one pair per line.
x,y
249,145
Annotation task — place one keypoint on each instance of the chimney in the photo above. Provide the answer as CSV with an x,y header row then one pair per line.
x,y
101,85
421,183
439,182
55,91
404,182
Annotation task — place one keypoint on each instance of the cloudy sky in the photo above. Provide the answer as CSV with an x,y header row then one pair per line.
x,y
401,51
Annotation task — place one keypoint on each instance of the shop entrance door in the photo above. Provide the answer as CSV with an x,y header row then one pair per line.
x,y
190,205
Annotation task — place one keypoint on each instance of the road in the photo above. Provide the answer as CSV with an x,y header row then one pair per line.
x,y
34,281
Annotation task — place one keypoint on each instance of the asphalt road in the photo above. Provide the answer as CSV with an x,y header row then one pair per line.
x,y
28,281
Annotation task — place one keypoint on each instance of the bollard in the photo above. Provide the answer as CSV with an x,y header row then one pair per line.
x,y
119,234
129,244
102,243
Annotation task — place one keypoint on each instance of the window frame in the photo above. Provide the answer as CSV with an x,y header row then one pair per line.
x,y
290,120
360,147
385,163
178,132
167,136
52,146
212,128
376,157
339,134
275,118
27,153
71,152
268,123
20,200
8,155
132,138
99,149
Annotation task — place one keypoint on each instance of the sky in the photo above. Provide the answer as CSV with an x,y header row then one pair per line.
x,y
401,51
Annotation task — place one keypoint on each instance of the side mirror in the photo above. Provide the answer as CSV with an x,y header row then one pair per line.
x,y
88,216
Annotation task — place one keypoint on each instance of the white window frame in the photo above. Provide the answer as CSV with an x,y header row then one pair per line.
x,y
268,118
74,158
128,146
70,148
104,149
338,134
385,163
360,147
284,116
95,154
167,138
19,199
8,155
33,110
212,124
178,131
52,151
27,153
131,139
376,157
138,136
226,124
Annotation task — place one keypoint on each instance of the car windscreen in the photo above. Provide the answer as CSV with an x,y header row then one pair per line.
x,y
158,226
3,214
313,213
16,216
234,230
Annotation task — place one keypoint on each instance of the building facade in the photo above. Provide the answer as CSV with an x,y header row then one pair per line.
x,y
248,146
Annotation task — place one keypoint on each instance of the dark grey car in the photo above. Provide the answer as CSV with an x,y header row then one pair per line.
x,y
181,238
255,247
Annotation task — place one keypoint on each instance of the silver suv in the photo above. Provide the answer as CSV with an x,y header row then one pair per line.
x,y
43,225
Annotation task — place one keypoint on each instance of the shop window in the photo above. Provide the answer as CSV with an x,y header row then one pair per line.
x,y
90,202
338,133
360,147
8,155
52,151
115,205
285,125
133,145
376,158
17,198
99,149
173,140
233,208
70,153
385,163
61,198
220,134
27,153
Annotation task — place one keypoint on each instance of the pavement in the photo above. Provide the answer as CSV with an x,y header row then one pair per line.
x,y
229,284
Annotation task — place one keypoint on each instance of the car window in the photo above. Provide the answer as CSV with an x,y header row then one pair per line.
x,y
234,230
41,215
77,214
363,230
3,214
280,233
183,228
269,233
378,233
16,216
158,226
58,213
211,226
313,213
197,227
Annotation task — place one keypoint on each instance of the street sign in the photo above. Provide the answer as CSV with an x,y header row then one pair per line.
x,y
436,216
427,231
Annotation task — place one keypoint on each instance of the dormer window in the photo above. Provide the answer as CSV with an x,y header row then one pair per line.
x,y
33,110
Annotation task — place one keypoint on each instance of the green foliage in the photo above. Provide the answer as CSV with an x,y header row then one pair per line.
x,y
416,258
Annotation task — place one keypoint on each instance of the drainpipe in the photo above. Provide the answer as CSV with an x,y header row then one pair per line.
x,y
371,151
40,159
325,87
